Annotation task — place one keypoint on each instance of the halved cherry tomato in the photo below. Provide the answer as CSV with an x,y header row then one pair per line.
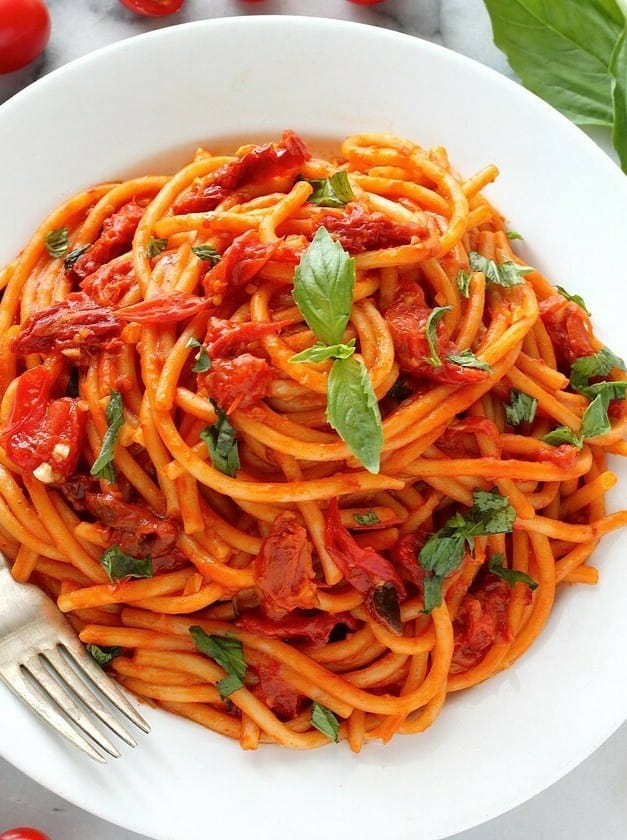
x,y
153,8
24,32
23,833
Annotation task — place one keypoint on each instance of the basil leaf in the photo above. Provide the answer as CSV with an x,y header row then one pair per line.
x,y
56,242
74,254
323,287
322,352
203,360
119,565
432,586
334,191
506,274
599,364
562,51
595,420
575,299
610,389
496,564
462,278
353,411
467,359
207,253
103,467
521,408
227,651
435,316
618,69
155,247
512,234
103,655
220,439
491,513
325,721
365,519
563,434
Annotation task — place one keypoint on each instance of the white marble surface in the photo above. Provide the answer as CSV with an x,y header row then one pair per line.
x,y
592,800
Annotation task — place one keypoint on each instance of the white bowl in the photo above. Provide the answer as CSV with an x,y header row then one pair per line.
x,y
147,100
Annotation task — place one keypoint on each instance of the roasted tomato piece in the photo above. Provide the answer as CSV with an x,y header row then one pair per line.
x,y
236,383
358,230
109,283
74,327
314,630
569,329
227,338
43,435
115,239
481,621
283,569
164,308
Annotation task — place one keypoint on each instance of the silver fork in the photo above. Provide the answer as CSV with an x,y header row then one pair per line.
x,y
45,664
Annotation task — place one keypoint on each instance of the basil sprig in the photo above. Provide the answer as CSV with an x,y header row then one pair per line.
x,y
103,467
202,361
227,651
574,298
496,565
324,282
119,565
443,552
521,408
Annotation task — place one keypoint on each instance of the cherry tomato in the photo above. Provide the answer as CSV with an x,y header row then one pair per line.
x,y
153,8
24,32
22,833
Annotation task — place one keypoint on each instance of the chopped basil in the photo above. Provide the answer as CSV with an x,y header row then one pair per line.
x,y
521,408
221,441
207,253
435,316
443,552
496,564
119,565
103,655
74,254
463,282
155,247
575,299
353,410
468,359
323,287
563,434
505,274
227,651
334,191
512,234
323,290
103,467
595,420
203,360
598,364
56,242
365,519
325,721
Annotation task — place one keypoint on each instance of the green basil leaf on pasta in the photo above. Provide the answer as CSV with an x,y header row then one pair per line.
x,y
221,441
103,655
325,721
103,467
155,247
431,331
521,408
506,274
227,651
334,191
119,565
207,253
353,411
324,281
467,359
574,298
323,352
496,565
71,257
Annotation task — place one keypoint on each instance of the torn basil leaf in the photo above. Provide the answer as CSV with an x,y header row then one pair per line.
x,y
323,352
431,331
521,408
104,467
227,651
574,298
366,519
203,360
71,257
155,247
468,359
504,274
496,565
325,721
103,655
119,565
207,253
221,441
334,191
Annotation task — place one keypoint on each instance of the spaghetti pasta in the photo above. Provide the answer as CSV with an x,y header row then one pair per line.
x,y
299,444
